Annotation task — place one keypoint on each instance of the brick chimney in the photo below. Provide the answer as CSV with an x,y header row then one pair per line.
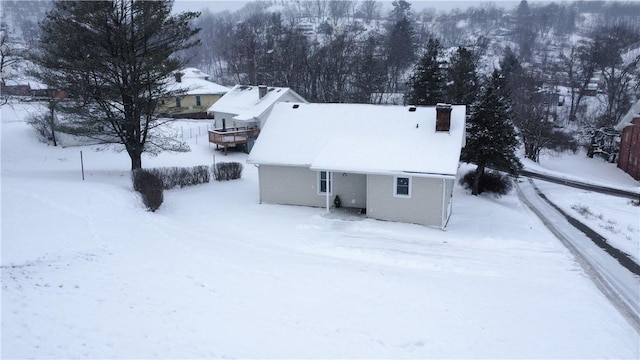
x,y
262,91
178,75
443,117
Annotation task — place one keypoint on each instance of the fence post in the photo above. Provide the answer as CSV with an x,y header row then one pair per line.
x,y
82,165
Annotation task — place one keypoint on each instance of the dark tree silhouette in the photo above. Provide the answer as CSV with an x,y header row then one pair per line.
x,y
114,58
491,136
427,84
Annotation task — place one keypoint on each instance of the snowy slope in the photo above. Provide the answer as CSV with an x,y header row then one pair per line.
x,y
88,273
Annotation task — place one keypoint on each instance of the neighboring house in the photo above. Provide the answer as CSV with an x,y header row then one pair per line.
x,y
28,87
395,163
15,88
195,93
246,106
629,157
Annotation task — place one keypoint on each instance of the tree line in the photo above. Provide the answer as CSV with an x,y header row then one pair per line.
x,y
114,56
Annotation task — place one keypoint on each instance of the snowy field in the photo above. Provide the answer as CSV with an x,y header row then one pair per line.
x,y
88,273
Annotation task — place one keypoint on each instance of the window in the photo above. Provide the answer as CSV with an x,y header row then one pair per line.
x,y
177,101
198,103
402,186
324,182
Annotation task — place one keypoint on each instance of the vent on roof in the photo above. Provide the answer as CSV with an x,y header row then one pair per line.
x,y
295,106
412,108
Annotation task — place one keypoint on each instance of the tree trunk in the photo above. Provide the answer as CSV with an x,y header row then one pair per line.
x,y
52,108
136,159
476,180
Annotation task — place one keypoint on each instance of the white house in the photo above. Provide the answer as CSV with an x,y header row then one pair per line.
x,y
397,163
248,106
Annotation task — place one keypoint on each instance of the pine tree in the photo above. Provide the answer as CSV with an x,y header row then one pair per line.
x,y
525,35
399,45
491,136
427,84
463,78
114,57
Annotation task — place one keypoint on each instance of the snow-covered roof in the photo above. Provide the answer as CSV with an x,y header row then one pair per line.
x,y
195,82
244,101
360,138
631,114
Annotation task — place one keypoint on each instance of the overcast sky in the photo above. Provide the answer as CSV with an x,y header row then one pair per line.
x,y
417,5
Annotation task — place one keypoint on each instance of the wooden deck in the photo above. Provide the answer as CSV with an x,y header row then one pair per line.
x,y
232,136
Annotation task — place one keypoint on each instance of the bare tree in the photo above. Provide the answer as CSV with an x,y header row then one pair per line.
x,y
10,56
370,10
609,43
578,68
339,9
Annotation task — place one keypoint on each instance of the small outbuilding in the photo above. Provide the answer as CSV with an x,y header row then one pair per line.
x,y
396,163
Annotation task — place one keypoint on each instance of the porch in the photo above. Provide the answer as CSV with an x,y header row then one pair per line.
x,y
227,137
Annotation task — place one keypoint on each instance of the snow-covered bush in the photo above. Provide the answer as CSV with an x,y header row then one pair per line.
x,y
491,181
227,171
150,186
182,176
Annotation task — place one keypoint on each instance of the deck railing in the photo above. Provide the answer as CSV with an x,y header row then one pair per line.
x,y
232,136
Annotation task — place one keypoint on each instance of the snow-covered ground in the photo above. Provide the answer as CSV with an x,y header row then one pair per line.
x,y
581,168
87,272
616,219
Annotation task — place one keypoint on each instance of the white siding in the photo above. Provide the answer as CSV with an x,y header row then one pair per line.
x,y
424,206
290,185
229,122
448,197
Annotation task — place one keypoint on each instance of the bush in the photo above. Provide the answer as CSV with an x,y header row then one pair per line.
x,y
227,171
176,176
491,181
149,185
43,125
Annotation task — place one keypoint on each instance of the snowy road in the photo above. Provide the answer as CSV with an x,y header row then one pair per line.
x,y
616,282
581,185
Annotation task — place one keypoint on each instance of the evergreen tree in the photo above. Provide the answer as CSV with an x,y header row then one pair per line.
x,y
463,78
491,136
400,43
525,35
114,58
427,85
401,10
370,75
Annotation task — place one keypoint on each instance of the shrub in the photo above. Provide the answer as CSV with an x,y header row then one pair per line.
x,y
491,181
179,176
149,185
227,171
43,125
